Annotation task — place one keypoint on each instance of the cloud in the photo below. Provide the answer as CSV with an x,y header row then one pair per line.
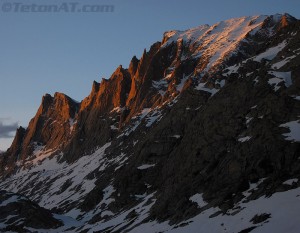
x,y
7,129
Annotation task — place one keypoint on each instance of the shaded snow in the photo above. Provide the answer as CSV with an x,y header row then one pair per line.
x,y
55,175
294,134
12,199
107,192
285,220
119,220
296,97
284,77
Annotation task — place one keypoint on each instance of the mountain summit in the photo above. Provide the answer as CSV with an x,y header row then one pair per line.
x,y
201,132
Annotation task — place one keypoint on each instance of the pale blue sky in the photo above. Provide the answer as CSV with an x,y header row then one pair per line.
x,y
48,52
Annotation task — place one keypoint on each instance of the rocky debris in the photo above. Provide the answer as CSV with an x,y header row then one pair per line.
x,y
19,214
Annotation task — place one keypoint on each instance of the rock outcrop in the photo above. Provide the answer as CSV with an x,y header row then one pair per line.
x,y
19,214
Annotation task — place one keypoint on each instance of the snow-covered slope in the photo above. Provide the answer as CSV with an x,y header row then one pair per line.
x,y
214,44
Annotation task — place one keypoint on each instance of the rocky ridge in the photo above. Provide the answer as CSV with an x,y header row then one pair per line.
x,y
208,115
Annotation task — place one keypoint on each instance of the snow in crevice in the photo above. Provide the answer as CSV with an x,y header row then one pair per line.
x,y
282,63
180,86
118,109
244,139
137,120
147,115
154,116
72,123
161,86
145,166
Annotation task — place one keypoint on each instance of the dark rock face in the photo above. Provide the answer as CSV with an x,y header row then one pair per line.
x,y
177,122
260,218
15,149
18,214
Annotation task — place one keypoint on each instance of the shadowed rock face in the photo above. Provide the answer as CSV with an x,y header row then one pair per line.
x,y
187,117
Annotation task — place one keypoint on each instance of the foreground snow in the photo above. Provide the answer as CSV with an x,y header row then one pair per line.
x,y
283,209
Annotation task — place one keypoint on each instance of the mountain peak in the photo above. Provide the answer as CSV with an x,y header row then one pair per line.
x,y
46,102
133,65
210,110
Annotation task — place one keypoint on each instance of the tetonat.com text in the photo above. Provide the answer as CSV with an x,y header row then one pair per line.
x,y
64,7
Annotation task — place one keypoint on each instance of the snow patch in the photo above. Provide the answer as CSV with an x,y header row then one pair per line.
x,y
113,127
296,97
280,77
201,87
155,115
294,134
161,86
231,69
290,182
145,166
270,53
198,198
181,84
72,123
244,139
280,64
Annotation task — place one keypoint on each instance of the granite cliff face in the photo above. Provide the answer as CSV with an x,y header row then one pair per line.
x,y
206,120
